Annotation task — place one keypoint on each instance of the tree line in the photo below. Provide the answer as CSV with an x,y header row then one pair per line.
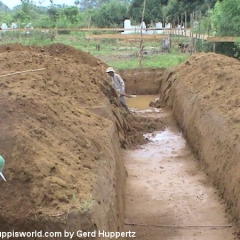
x,y
221,15
104,13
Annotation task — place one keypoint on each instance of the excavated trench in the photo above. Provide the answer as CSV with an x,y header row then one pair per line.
x,y
168,195
181,184
62,132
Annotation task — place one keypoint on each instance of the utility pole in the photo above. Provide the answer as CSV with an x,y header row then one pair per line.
x,y
141,40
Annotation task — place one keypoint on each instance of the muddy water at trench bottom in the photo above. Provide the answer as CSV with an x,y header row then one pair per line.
x,y
140,102
168,196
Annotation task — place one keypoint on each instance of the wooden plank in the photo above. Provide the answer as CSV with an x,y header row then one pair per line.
x,y
222,39
67,29
95,29
128,36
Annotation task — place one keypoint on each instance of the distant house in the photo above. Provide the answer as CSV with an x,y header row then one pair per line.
x,y
4,26
14,25
128,28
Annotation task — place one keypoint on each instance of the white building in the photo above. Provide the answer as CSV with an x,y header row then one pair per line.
x,y
128,28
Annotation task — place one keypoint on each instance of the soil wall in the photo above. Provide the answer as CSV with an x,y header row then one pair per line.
x,y
103,209
142,81
62,129
204,95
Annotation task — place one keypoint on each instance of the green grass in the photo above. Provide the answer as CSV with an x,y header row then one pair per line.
x,y
155,61
118,54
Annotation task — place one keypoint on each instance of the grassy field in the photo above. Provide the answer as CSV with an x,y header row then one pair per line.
x,y
119,54
153,61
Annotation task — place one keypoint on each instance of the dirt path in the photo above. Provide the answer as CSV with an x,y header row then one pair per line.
x,y
168,195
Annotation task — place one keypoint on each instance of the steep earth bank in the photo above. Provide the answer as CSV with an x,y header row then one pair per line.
x,y
142,81
204,95
61,132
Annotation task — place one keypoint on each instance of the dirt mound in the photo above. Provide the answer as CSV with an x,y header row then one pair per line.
x,y
56,50
213,78
59,117
204,94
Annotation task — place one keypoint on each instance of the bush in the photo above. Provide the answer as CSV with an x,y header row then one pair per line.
x,y
64,32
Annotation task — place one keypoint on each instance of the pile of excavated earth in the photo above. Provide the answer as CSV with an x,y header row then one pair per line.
x,y
204,95
62,129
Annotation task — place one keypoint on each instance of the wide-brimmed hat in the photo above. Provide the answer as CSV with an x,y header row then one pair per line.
x,y
109,69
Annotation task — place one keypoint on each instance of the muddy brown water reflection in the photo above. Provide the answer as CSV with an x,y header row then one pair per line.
x,y
140,102
168,195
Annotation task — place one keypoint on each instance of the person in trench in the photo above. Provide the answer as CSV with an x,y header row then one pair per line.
x,y
119,86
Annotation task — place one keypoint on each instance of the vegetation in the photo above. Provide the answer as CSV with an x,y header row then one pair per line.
x,y
103,13
154,61
110,15
219,15
225,19
172,11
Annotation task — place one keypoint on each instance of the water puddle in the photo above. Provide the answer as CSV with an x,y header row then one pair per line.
x,y
168,195
141,102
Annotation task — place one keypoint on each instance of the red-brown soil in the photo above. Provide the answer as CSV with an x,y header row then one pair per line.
x,y
142,81
61,132
62,127
204,95
168,195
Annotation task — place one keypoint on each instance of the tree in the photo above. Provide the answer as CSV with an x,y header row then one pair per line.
x,y
53,13
153,10
27,6
72,14
88,4
24,13
156,10
112,13
226,18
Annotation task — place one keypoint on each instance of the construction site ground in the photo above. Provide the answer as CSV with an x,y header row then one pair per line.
x,y
77,162
168,195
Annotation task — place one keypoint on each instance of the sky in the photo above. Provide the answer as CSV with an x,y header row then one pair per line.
x,y
13,3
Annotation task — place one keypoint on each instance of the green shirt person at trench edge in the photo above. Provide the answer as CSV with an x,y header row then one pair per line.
x,y
2,163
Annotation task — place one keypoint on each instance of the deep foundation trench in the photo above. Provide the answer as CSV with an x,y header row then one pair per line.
x,y
182,184
169,192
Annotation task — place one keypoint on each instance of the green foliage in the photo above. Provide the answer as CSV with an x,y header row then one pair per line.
x,y
22,16
203,46
27,5
237,49
66,32
171,10
45,22
103,13
6,18
110,14
71,14
96,4
226,18
155,61
53,14
153,10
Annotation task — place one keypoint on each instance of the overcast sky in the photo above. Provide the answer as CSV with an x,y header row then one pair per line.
x,y
13,3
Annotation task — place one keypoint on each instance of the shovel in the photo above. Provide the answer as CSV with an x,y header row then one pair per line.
x,y
130,96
